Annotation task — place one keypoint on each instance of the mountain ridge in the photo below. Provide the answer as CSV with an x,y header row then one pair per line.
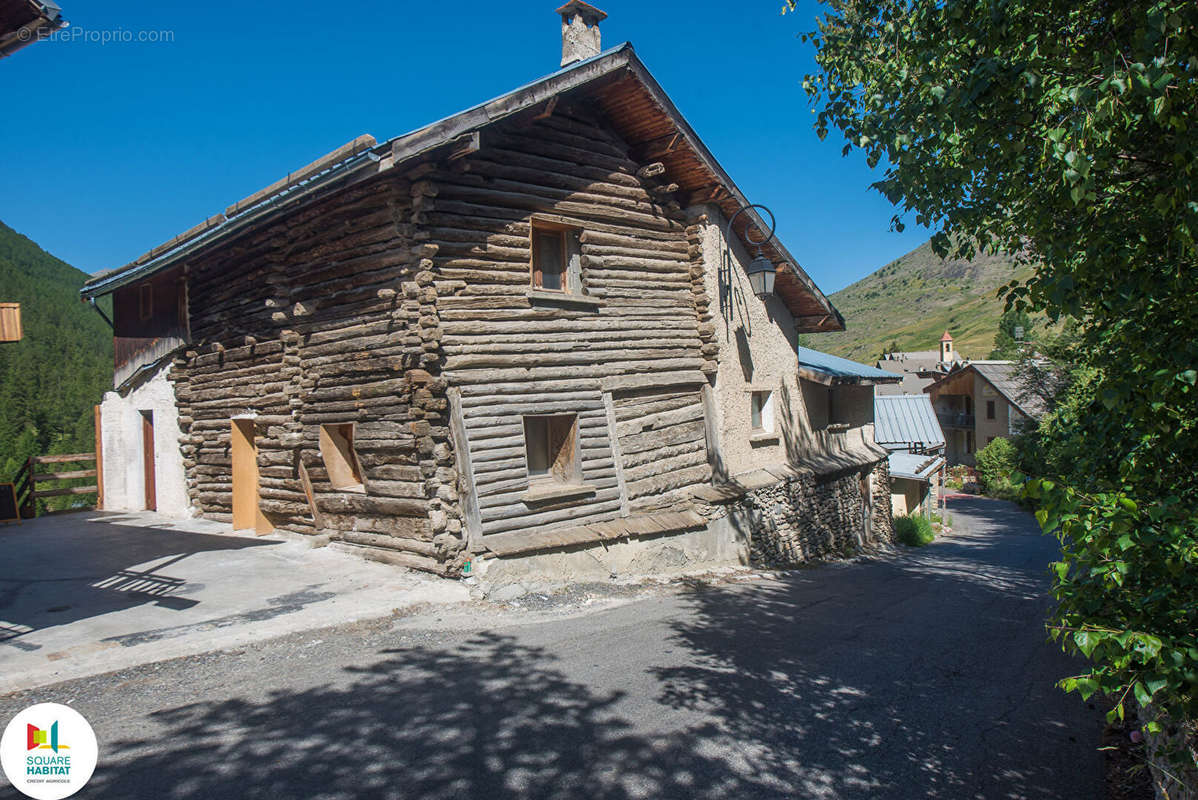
x,y
915,298
51,379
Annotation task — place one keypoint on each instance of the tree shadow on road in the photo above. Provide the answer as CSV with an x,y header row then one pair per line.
x,y
61,569
922,676
928,675
493,719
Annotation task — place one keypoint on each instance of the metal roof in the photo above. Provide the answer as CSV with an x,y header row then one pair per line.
x,y
827,368
913,467
906,421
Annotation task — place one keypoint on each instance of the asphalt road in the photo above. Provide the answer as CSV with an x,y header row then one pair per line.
x,y
921,675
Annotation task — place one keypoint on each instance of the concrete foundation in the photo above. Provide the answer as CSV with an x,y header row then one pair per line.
x,y
802,518
718,545
122,426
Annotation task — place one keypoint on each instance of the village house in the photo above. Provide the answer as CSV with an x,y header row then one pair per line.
x,y
919,368
978,402
906,426
526,332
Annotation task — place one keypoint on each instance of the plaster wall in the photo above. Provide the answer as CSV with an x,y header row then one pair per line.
x,y
757,352
906,496
988,429
121,435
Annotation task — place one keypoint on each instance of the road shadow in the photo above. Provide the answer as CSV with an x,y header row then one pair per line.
x,y
929,675
926,675
60,569
493,718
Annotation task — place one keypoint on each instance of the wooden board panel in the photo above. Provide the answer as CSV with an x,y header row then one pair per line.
x,y
10,322
247,513
147,452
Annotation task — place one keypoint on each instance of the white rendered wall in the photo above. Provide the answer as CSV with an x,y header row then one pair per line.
x,y
121,427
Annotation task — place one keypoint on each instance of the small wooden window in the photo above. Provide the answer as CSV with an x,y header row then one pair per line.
x,y
145,301
550,444
340,460
549,256
761,411
989,409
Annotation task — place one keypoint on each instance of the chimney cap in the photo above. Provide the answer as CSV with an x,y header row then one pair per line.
x,y
947,337
585,9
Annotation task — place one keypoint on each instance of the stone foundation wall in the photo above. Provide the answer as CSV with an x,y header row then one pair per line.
x,y
813,517
883,514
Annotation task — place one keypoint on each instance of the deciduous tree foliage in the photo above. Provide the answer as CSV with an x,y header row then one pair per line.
x,y
1064,130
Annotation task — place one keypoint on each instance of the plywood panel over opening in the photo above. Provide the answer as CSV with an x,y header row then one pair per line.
x,y
246,512
340,460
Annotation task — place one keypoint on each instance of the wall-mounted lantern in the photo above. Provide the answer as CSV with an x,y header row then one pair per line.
x,y
761,270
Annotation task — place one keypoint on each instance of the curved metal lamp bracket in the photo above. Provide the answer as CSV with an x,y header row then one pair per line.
x,y
749,239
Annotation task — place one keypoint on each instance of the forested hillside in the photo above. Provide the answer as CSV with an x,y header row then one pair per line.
x,y
915,298
50,380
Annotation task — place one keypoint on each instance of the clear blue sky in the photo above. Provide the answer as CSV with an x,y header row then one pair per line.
x,y
110,149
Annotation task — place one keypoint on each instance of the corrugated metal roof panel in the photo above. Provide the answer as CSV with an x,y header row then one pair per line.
x,y
914,467
903,421
837,367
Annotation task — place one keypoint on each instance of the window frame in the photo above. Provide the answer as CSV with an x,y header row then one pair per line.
x,y
570,248
991,409
145,301
339,457
764,413
558,471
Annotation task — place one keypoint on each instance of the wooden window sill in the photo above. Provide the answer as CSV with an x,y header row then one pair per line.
x,y
545,492
538,296
763,438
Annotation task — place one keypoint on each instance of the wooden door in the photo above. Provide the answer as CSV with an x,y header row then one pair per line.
x,y
147,458
246,513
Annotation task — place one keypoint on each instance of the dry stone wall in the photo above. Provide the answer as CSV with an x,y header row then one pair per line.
x,y
812,517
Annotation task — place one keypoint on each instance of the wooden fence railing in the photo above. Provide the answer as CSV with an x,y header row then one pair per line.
x,y
39,470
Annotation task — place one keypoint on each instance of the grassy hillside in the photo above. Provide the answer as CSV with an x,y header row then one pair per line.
x,y
50,380
914,299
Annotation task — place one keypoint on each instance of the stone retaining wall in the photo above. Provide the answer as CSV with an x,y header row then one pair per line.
x,y
811,517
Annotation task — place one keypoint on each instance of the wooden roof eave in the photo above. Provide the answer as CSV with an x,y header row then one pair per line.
x,y
593,73
734,196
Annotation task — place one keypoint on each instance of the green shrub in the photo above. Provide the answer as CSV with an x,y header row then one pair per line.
x,y
995,463
914,530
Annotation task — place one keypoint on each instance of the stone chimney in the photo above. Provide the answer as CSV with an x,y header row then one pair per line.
x,y
580,31
946,348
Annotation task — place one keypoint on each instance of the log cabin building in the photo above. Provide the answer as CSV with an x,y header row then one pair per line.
x,y
519,330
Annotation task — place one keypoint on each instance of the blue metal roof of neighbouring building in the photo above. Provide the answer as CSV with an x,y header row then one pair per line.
x,y
905,421
842,369
913,467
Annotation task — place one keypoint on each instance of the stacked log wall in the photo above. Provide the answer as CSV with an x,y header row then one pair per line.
x,y
322,318
514,354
